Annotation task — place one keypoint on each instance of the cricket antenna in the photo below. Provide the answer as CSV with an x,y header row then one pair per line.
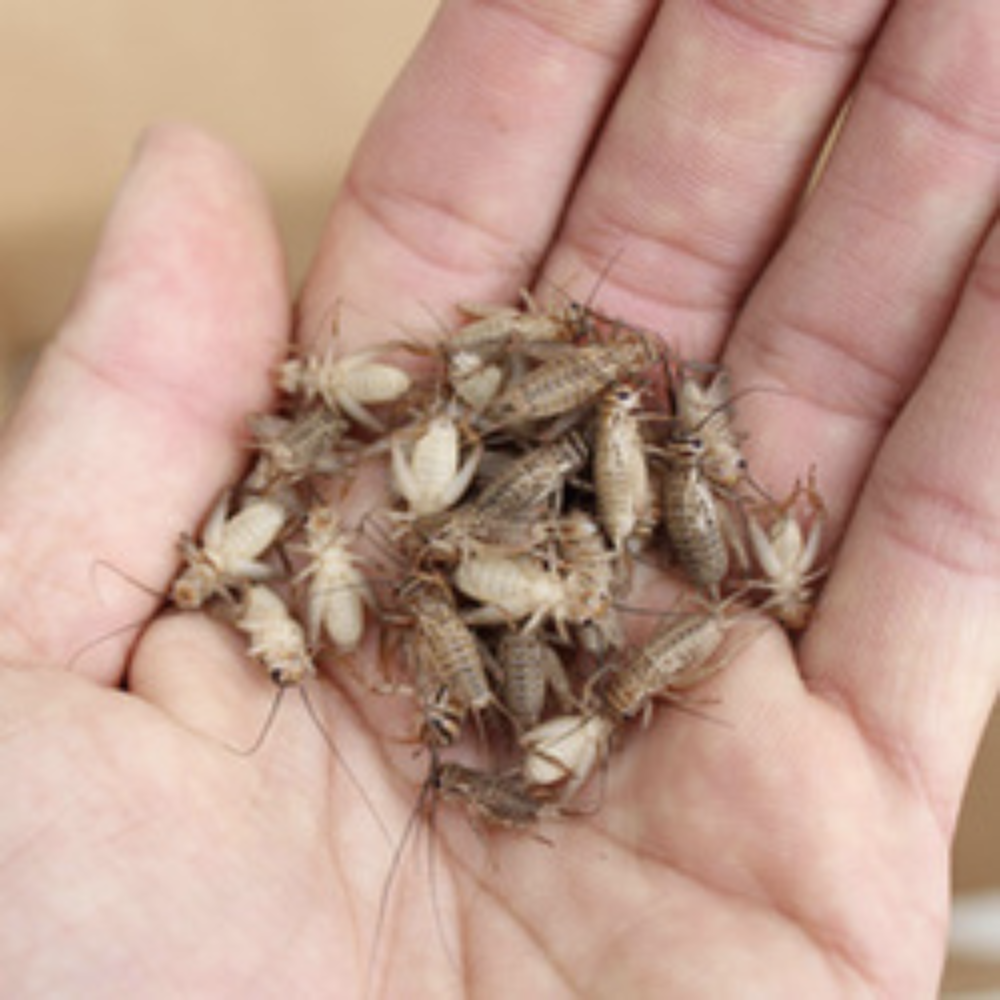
x,y
107,565
342,761
265,729
327,737
427,788
92,644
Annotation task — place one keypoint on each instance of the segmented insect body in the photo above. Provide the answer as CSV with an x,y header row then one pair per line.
x,y
443,708
692,517
529,667
486,352
275,638
590,575
569,381
706,412
446,540
230,552
294,448
505,511
449,644
516,588
529,481
563,751
600,635
338,591
432,477
502,799
474,381
583,550
786,552
509,588
621,470
494,327
678,655
349,384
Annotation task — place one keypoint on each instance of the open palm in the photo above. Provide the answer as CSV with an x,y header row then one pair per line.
x,y
799,849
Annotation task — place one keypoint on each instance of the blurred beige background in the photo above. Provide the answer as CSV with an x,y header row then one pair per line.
x,y
288,85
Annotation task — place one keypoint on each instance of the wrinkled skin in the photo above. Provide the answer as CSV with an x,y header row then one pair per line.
x,y
800,848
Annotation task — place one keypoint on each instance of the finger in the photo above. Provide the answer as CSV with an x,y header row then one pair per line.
x,y
196,670
907,634
704,157
134,419
459,182
847,315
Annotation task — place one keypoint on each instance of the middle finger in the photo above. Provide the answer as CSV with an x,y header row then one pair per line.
x,y
704,156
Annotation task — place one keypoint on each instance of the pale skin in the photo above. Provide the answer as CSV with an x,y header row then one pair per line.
x,y
800,850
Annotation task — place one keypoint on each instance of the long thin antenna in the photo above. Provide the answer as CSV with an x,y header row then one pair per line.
x,y
324,732
351,776
94,643
258,740
106,564
392,874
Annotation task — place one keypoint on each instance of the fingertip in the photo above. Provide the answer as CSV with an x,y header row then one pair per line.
x,y
190,247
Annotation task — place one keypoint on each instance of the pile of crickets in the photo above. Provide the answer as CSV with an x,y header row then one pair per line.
x,y
516,482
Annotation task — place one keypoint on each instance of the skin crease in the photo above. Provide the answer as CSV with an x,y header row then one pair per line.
x,y
800,848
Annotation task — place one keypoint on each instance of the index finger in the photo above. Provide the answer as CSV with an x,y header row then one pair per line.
x,y
133,419
460,180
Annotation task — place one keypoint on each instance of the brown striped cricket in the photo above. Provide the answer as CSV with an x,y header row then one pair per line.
x,y
706,412
446,658
493,347
681,653
528,667
505,510
496,329
702,468
296,447
491,800
571,380
622,484
699,528
533,479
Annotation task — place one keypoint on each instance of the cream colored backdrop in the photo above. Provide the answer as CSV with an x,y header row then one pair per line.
x,y
289,84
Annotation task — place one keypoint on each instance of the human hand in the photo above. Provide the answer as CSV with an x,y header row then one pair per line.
x,y
801,850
